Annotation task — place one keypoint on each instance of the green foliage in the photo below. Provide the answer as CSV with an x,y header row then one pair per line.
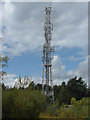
x,y
3,61
51,109
76,88
56,91
30,102
73,101
77,109
22,103
63,96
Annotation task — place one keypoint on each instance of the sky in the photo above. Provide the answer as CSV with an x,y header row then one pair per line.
x,y
23,37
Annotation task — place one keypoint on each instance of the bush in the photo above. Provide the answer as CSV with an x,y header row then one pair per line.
x,y
77,109
22,103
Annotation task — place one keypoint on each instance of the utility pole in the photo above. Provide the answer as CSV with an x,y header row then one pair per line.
x,y
47,81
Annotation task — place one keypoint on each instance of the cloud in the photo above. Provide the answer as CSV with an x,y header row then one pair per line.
x,y
20,34
9,80
71,28
82,68
24,24
0,28
60,74
58,67
72,58
37,79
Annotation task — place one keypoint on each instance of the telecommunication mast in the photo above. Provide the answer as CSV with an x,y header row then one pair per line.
x,y
47,81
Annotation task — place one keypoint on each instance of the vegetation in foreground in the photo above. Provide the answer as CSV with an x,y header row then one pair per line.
x,y
71,101
77,109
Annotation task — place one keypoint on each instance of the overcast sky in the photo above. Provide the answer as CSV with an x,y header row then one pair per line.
x,y
23,37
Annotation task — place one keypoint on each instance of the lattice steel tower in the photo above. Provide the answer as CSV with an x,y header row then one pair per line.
x,y
47,82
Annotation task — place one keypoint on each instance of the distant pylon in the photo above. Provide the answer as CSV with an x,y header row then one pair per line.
x,y
47,81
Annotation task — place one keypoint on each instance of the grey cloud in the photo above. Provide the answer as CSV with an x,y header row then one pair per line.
x,y
24,24
9,80
83,68
58,67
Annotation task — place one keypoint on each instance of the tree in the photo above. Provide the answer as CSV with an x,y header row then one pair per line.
x,y
76,88
63,96
22,83
63,84
3,63
56,91
38,86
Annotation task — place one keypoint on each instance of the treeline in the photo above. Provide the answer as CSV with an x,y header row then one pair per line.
x,y
75,87
30,102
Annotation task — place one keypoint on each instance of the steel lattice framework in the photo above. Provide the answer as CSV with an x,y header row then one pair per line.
x,y
47,82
